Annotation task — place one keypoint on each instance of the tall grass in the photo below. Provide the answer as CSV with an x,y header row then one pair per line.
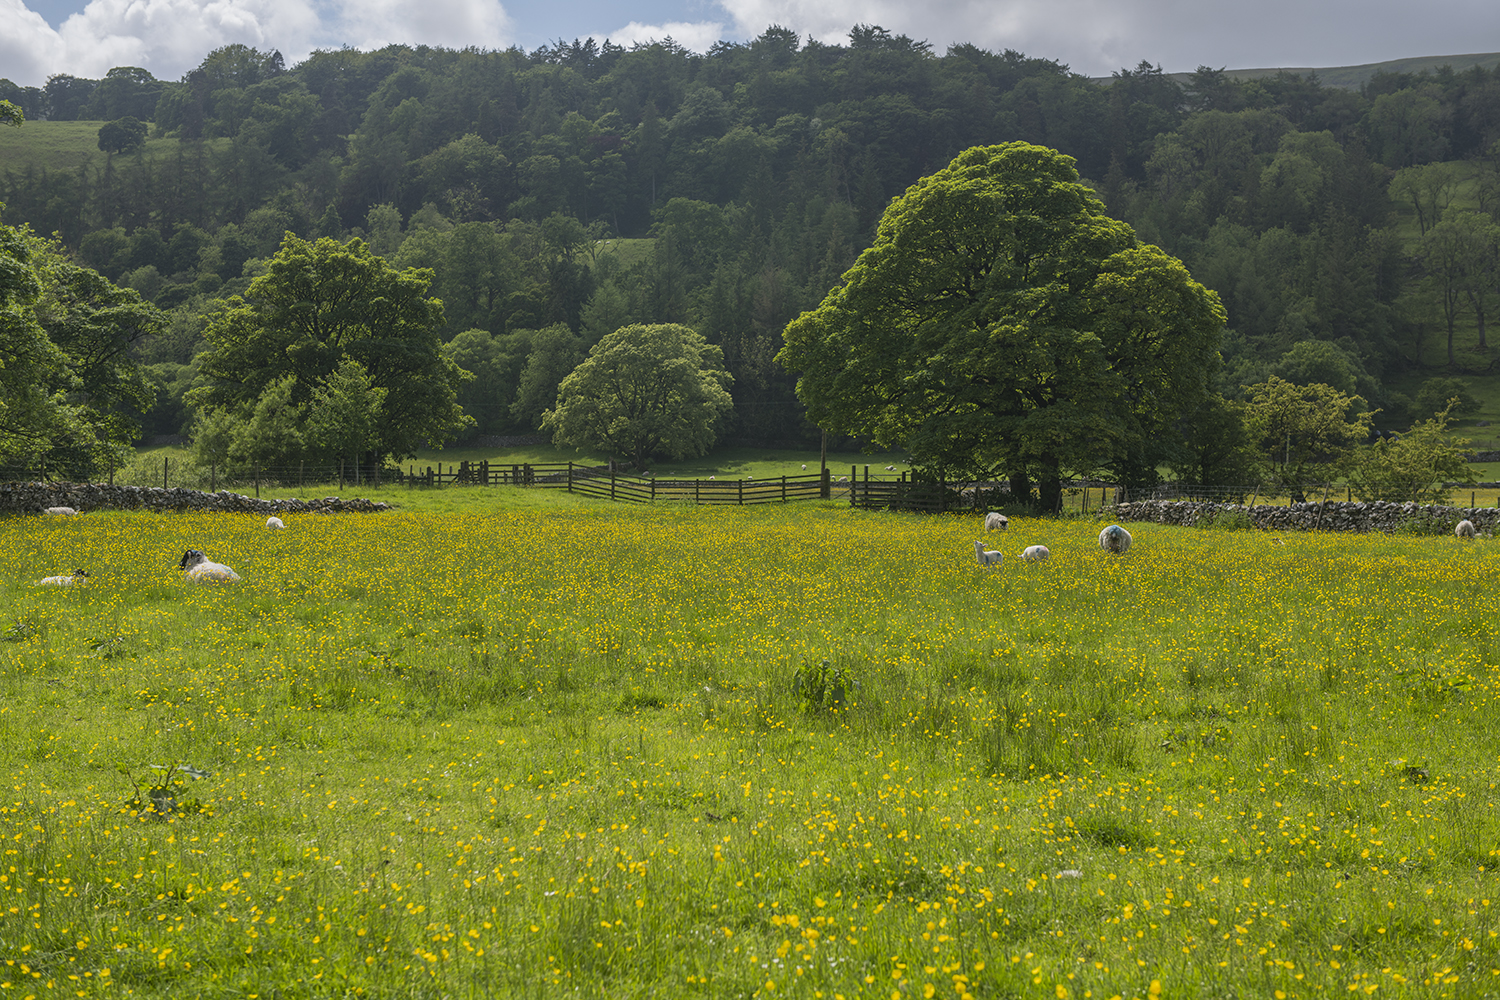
x,y
529,753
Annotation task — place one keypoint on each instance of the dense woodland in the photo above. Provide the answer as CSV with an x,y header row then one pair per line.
x,y
560,194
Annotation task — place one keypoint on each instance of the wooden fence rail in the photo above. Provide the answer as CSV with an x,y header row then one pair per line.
x,y
645,489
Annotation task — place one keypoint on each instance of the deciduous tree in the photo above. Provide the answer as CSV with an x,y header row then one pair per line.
x,y
1003,322
644,391
319,303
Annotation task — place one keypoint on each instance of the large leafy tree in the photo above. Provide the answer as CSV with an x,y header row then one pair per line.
x,y
71,395
1002,322
644,390
322,302
1307,433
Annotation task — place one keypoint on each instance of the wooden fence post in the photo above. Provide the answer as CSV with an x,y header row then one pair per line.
x,y
164,463
741,484
825,485
570,475
783,488
213,477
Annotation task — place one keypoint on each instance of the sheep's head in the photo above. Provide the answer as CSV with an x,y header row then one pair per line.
x,y
191,558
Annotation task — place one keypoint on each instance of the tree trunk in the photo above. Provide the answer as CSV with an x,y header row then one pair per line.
x,y
1020,489
1049,493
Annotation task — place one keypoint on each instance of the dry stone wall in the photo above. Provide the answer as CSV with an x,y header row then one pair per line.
x,y
1333,515
33,498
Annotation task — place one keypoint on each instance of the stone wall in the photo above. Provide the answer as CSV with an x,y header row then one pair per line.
x,y
1334,515
33,498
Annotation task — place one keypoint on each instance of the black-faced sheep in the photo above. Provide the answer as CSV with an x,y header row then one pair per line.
x,y
77,579
1114,539
200,568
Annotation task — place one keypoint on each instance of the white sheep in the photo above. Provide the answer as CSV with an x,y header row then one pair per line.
x,y
200,568
59,511
995,521
987,557
274,522
1114,539
1466,529
1036,553
77,579
804,466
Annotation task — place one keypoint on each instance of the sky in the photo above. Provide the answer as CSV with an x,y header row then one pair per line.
x,y
1096,37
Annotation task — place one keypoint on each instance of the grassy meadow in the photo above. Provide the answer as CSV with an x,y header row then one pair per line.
x,y
800,750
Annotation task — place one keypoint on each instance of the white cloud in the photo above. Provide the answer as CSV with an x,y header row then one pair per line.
x,y
695,36
454,24
170,37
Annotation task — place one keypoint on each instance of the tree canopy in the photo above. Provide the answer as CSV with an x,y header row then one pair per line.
x,y
322,302
644,390
1001,322
71,393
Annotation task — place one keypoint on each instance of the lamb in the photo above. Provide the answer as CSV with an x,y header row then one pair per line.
x,y
201,569
59,511
274,522
1466,529
78,579
1036,553
1114,539
995,521
987,557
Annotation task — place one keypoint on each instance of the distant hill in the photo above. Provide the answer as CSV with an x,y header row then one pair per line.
x,y
1353,77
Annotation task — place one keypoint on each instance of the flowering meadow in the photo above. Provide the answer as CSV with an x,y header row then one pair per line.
x,y
800,751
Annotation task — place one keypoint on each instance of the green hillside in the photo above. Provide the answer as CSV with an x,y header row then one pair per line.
x,y
53,145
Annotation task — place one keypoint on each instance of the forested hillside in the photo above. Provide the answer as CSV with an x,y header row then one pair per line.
x,y
560,194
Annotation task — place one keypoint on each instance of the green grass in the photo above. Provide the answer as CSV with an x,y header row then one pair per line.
x,y
536,753
65,146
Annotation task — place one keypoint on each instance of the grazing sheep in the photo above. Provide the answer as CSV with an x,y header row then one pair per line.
x,y
1466,529
987,557
804,466
995,521
1036,553
59,511
1114,539
78,579
274,522
201,569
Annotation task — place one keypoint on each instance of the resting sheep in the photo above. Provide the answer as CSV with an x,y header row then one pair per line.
x,y
79,578
987,557
1466,529
274,522
995,521
1036,553
59,511
1114,539
200,568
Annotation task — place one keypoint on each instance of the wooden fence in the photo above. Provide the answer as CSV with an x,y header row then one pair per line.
x,y
644,489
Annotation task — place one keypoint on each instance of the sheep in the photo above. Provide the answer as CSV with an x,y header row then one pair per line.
x,y
200,568
1466,529
78,579
59,511
987,557
274,522
1036,553
804,466
1114,539
995,521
